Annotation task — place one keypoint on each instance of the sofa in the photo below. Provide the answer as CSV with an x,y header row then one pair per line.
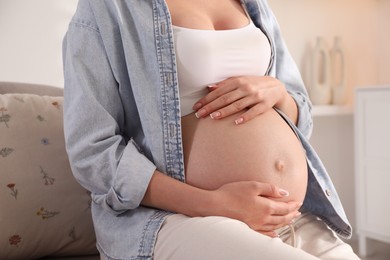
x,y
44,212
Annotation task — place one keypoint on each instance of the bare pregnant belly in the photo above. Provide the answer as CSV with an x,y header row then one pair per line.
x,y
264,149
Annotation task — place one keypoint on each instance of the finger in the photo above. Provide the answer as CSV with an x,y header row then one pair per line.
x,y
218,103
273,208
216,90
269,228
281,220
252,113
275,222
212,87
272,234
285,208
270,191
233,108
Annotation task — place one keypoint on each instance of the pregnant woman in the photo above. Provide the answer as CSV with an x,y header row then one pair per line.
x,y
188,122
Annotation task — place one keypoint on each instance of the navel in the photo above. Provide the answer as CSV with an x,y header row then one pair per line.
x,y
280,166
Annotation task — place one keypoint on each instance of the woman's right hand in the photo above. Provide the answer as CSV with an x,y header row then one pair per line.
x,y
255,204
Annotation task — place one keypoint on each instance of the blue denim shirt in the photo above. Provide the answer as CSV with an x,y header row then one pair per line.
x,y
122,117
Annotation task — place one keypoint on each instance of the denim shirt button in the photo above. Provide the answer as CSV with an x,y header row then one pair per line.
x,y
328,193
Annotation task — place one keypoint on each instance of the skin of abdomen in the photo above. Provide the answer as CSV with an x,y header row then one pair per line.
x,y
264,149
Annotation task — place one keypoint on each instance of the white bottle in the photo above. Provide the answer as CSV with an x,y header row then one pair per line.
x,y
320,89
339,91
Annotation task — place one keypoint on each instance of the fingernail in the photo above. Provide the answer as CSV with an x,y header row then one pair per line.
x,y
212,86
215,115
239,121
283,192
200,113
298,214
197,106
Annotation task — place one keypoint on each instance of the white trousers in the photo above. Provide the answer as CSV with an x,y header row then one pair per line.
x,y
220,238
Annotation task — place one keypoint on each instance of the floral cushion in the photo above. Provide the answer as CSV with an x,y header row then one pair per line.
x,y
43,210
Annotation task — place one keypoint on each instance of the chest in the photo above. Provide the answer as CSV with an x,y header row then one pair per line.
x,y
207,14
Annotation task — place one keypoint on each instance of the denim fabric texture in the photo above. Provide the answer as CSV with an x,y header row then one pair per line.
x,y
122,117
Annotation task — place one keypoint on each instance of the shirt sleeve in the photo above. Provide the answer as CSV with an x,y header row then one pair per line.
x,y
103,159
285,69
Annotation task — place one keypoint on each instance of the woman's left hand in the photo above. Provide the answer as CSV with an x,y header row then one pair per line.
x,y
255,93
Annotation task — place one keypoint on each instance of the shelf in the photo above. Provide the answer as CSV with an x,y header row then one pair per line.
x,y
332,110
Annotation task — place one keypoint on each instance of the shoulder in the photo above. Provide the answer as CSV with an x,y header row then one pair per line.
x,y
98,14
84,16
92,13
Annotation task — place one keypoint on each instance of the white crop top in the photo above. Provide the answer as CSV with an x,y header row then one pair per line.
x,y
206,57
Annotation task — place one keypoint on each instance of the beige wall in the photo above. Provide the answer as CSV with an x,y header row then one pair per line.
x,y
31,33
356,21
384,42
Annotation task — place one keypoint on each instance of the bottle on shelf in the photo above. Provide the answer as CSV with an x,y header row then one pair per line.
x,y
320,88
338,85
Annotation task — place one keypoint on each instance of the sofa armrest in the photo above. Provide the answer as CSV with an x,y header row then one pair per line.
x,y
27,88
